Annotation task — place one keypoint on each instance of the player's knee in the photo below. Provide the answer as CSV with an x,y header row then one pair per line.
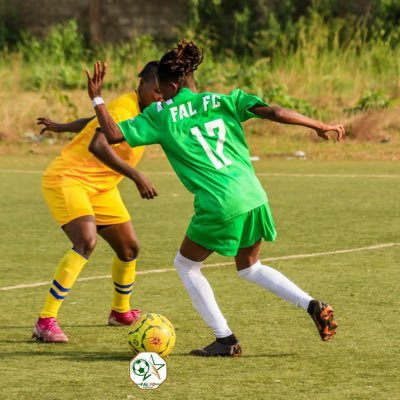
x,y
129,252
183,264
86,246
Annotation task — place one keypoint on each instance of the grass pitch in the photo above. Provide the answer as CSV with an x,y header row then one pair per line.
x,y
318,208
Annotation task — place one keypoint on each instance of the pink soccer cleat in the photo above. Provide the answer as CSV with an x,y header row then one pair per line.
x,y
127,318
48,331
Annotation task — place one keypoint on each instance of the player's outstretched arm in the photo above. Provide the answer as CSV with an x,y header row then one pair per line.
x,y
52,126
100,147
108,126
285,116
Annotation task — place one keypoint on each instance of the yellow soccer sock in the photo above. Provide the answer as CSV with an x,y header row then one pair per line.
x,y
123,275
65,276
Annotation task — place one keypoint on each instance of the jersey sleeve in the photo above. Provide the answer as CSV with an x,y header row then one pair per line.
x,y
243,102
141,130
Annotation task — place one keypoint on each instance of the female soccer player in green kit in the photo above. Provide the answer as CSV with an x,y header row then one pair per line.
x,y
202,136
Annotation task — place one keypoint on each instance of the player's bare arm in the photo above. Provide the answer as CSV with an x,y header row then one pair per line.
x,y
110,134
108,125
285,116
51,126
100,147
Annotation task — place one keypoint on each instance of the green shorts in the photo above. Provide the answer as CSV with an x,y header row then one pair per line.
x,y
227,237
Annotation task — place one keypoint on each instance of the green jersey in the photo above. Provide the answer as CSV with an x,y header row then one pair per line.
x,y
202,136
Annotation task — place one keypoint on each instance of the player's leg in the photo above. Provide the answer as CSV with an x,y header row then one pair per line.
x,y
122,239
67,206
114,225
249,266
82,233
188,263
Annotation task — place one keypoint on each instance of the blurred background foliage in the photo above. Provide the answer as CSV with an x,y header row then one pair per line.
x,y
329,59
245,31
261,28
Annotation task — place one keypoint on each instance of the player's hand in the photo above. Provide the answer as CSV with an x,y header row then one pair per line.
x,y
95,83
335,128
145,187
49,125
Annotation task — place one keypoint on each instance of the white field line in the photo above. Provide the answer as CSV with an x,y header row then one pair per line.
x,y
216,265
271,174
278,174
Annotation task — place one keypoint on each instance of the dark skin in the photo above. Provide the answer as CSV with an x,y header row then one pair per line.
x,y
169,89
52,126
83,231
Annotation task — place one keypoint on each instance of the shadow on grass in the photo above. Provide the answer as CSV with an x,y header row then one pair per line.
x,y
63,325
76,355
8,327
79,355
265,355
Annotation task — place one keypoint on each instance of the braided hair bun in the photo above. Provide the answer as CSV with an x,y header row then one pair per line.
x,y
180,61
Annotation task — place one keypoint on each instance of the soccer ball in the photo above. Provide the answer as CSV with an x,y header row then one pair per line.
x,y
153,333
141,367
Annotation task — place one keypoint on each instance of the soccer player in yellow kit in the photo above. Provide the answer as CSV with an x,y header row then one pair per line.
x,y
83,198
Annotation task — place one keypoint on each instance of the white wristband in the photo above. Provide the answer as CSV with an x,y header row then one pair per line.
x,y
97,101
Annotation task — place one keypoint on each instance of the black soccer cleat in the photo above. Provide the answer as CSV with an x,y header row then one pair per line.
x,y
218,349
322,315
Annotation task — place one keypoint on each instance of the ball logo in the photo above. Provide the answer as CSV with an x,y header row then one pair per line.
x,y
148,370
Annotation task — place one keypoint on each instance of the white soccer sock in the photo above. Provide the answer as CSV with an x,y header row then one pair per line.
x,y
277,283
202,295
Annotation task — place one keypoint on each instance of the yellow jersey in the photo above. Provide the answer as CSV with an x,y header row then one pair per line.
x,y
77,163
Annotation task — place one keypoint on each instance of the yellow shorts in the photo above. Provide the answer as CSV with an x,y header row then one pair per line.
x,y
71,200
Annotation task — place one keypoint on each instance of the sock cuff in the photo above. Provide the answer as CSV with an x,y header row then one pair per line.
x,y
246,271
74,252
118,261
181,261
